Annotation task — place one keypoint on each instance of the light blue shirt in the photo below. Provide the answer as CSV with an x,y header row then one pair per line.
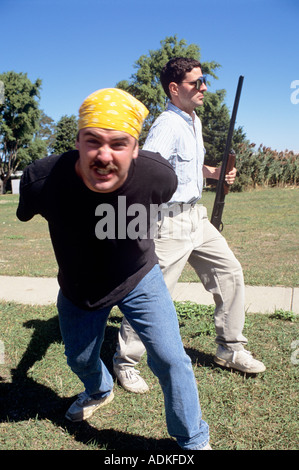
x,y
178,138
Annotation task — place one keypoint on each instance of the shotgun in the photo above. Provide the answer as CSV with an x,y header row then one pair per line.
x,y
228,163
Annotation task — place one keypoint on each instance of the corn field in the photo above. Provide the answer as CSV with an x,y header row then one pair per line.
x,y
265,167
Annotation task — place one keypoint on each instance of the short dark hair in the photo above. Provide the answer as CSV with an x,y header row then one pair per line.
x,y
175,71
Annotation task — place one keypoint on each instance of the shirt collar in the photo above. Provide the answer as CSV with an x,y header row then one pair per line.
x,y
183,114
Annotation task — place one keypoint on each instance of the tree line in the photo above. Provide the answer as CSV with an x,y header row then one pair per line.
x,y
27,133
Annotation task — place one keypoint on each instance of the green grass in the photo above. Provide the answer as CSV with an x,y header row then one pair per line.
x,y
245,412
261,227
25,248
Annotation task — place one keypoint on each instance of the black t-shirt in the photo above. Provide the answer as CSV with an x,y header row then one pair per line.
x,y
103,242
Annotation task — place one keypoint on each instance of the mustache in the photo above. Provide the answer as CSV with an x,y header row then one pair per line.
x,y
102,166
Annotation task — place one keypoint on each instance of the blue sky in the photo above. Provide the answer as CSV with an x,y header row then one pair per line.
x,y
79,46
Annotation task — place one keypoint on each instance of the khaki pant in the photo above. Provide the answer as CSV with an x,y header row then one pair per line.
x,y
185,234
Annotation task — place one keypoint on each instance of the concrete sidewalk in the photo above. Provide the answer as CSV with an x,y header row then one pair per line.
x,y
43,291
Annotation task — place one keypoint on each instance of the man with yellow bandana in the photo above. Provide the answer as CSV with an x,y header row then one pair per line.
x,y
106,257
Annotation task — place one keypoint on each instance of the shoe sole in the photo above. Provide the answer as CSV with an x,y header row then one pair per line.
x,y
231,365
92,410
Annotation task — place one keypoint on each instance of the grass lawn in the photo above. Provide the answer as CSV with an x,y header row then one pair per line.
x,y
244,412
261,227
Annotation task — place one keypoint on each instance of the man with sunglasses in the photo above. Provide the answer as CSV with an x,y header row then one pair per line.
x,y
184,231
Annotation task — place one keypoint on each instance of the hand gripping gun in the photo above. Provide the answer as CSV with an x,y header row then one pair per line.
x,y
228,164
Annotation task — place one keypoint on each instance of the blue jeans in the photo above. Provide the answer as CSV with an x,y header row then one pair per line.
x,y
150,311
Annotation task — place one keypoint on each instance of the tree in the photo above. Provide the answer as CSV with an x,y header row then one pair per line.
x,y
65,134
145,85
46,131
215,119
41,143
19,121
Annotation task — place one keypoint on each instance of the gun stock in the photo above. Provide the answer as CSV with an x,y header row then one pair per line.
x,y
228,163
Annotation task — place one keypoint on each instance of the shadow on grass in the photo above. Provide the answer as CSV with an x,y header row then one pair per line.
x,y
199,357
25,399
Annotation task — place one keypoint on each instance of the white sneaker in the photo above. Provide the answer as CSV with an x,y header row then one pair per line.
x,y
207,447
85,406
130,380
239,360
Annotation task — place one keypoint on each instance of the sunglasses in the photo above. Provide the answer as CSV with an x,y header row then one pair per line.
x,y
198,82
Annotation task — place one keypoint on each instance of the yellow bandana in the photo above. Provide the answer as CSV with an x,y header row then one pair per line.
x,y
112,108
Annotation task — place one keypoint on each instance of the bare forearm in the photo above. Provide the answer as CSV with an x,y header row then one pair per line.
x,y
214,173
211,172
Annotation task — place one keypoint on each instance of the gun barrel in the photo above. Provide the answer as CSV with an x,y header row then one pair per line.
x,y
231,129
222,189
